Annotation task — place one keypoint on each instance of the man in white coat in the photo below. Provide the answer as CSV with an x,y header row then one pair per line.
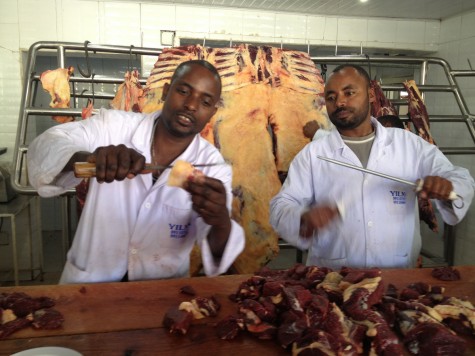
x,y
134,226
345,217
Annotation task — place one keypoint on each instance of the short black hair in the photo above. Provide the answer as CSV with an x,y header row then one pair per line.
x,y
200,62
358,68
391,121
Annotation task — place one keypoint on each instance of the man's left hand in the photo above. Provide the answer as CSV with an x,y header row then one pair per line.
x,y
435,187
209,200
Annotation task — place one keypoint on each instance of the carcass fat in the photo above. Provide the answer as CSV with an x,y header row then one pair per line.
x,y
56,83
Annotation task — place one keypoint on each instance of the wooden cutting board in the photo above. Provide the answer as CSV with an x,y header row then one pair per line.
x,y
111,318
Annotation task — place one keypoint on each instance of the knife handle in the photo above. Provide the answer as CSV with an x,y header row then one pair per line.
x,y
88,170
452,196
84,170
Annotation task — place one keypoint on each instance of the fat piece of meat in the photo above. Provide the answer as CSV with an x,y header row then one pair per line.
x,y
56,83
128,93
269,94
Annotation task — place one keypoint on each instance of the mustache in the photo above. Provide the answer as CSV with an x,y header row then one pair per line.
x,y
339,110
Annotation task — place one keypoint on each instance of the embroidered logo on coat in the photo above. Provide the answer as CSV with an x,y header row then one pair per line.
x,y
178,231
399,197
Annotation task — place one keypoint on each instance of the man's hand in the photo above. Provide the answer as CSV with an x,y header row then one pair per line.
x,y
317,218
116,163
310,128
436,188
209,200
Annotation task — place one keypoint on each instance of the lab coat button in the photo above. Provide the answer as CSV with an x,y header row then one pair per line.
x,y
148,205
133,251
370,224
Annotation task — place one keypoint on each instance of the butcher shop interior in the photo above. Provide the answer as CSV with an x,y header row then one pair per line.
x,y
420,56
430,44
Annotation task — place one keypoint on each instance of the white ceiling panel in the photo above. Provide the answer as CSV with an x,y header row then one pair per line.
x,y
410,9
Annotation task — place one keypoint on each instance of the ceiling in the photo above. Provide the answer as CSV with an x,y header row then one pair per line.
x,y
410,9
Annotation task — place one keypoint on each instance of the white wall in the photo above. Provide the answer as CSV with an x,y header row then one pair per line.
x,y
456,45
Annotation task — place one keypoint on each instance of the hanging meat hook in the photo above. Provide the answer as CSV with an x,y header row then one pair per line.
x,y
88,64
130,59
92,86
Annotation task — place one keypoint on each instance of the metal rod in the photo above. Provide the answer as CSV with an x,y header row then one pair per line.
x,y
97,79
400,180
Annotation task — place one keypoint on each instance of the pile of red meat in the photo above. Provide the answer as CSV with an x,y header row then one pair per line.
x,y
316,311
19,310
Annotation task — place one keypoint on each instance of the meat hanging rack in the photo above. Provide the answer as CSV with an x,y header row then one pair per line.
x,y
30,109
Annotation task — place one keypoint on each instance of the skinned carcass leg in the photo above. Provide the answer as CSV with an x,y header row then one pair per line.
x,y
243,137
289,112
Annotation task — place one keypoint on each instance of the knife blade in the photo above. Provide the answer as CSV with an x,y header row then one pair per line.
x,y
417,185
88,170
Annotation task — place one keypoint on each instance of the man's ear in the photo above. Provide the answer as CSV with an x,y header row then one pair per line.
x,y
166,87
372,96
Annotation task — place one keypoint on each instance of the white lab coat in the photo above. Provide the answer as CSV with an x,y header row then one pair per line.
x,y
378,226
130,225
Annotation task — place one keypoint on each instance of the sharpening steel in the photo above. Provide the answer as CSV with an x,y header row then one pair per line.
x,y
417,186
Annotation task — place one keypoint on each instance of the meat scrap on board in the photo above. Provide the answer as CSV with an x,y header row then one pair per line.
x,y
314,310
19,310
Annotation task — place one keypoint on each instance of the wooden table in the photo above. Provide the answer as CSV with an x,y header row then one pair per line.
x,y
126,318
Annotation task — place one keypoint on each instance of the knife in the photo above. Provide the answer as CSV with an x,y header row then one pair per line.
x,y
417,185
88,170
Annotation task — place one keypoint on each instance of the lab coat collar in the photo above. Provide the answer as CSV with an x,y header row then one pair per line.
x,y
141,139
381,141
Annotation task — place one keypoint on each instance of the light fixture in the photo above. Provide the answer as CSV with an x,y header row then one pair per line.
x,y
363,0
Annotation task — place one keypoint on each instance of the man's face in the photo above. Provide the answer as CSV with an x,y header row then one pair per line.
x,y
190,101
347,98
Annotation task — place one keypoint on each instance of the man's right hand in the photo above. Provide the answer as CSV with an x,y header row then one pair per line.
x,y
317,218
116,163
